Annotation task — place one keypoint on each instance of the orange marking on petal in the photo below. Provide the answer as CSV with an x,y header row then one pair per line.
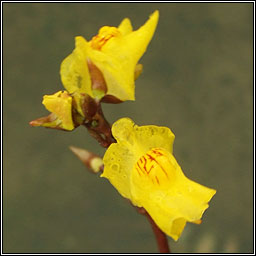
x,y
158,154
164,171
151,163
152,166
105,34
150,157
145,165
138,170
142,170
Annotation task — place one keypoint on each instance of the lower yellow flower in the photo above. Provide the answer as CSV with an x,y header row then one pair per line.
x,y
142,168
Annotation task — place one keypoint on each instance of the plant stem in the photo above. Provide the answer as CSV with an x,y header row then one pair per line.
x,y
99,128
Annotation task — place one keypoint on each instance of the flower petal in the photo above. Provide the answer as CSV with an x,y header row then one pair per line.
x,y
60,104
171,210
74,70
125,26
118,74
159,185
140,139
136,42
118,161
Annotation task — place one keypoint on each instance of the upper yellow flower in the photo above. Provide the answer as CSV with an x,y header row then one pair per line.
x,y
114,52
142,168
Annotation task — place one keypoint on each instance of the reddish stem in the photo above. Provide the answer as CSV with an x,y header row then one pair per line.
x,y
160,236
99,128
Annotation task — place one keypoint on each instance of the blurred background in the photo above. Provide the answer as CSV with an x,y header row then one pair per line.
x,y
197,80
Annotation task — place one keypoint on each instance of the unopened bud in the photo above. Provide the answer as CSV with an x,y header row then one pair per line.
x,y
89,159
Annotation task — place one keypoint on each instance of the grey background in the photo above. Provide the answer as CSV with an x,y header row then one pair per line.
x,y
197,80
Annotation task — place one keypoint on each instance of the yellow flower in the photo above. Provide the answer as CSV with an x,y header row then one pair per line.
x,y
142,168
60,104
115,52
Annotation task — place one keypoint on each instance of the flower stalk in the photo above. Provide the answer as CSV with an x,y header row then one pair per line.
x,y
160,236
99,128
